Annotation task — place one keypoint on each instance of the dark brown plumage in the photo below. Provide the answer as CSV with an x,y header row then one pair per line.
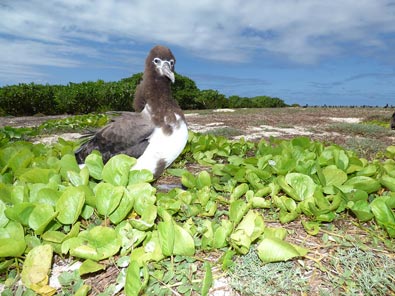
x,y
157,113
393,121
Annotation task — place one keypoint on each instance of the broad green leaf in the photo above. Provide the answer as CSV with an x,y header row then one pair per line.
x,y
383,215
184,244
302,185
97,244
70,205
147,219
40,217
12,240
239,191
20,212
388,182
151,251
334,176
364,183
140,176
68,163
94,163
124,207
361,210
37,175
273,249
207,280
133,284
90,266
249,229
116,170
203,179
20,159
188,180
108,197
36,269
237,210
221,234
166,236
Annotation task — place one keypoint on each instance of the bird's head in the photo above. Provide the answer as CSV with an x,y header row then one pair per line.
x,y
162,61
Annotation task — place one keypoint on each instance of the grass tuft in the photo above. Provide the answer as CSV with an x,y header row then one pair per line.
x,y
250,276
356,272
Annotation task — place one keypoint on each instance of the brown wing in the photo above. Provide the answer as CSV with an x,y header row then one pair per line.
x,y
128,134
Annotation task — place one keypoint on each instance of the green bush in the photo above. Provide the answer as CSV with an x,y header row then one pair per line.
x,y
100,96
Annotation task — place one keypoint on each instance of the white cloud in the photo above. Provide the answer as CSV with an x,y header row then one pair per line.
x,y
57,32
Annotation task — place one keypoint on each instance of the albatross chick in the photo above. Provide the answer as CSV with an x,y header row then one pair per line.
x,y
157,132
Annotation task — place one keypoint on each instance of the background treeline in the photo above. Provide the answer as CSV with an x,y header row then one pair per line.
x,y
100,96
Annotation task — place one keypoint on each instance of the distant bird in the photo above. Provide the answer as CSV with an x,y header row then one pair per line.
x,y
393,121
157,133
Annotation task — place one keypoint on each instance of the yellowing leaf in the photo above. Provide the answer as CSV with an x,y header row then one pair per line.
x,y
36,269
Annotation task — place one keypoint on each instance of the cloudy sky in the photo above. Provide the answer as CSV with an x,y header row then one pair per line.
x,y
338,52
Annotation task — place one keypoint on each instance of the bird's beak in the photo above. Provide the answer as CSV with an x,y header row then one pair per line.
x,y
165,69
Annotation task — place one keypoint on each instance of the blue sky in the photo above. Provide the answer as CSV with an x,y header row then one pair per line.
x,y
315,52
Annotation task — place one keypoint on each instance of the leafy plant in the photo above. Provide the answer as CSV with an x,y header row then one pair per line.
x,y
48,203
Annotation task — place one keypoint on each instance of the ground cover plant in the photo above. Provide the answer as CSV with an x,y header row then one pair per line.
x,y
104,215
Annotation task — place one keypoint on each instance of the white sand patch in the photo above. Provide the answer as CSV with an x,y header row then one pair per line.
x,y
346,119
58,268
54,138
224,110
270,131
191,114
198,128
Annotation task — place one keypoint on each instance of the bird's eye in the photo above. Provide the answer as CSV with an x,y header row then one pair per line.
x,y
156,60
171,62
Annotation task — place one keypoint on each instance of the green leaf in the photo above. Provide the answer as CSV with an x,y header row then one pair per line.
x,y
108,198
249,229
94,163
97,244
70,205
334,176
302,185
364,183
68,163
188,180
388,182
272,249
20,212
116,170
124,207
89,266
37,175
166,236
361,209
184,244
239,191
12,240
133,284
40,217
207,280
237,210
140,176
383,215
203,180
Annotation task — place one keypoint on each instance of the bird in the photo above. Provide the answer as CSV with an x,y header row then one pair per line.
x,y
157,132
393,121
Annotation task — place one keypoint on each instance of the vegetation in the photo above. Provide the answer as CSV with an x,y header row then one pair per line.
x,y
49,206
100,96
